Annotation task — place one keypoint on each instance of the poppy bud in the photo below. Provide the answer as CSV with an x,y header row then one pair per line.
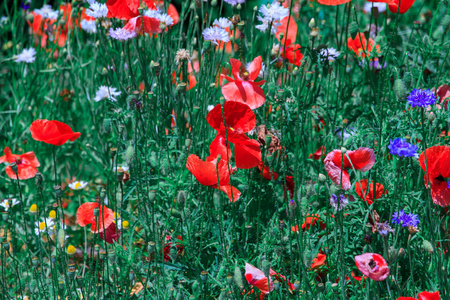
x,y
14,167
102,254
399,90
58,191
408,80
153,160
152,195
222,100
427,246
312,23
112,256
34,261
266,267
238,277
239,7
297,285
353,29
343,150
175,213
181,198
61,237
431,117
295,71
214,3
30,17
445,21
96,212
426,39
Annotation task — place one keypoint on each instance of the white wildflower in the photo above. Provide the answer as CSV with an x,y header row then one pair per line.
x,y
106,92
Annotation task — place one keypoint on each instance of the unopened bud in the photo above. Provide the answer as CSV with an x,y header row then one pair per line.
x,y
353,29
322,177
427,246
399,89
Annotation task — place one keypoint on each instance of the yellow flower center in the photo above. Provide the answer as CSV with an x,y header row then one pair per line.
x,y
42,226
71,249
77,185
33,208
125,224
52,214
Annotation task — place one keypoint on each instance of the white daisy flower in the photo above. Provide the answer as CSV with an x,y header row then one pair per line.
x,y
8,203
329,54
28,56
47,12
274,12
46,226
78,185
123,168
215,34
97,10
165,19
106,92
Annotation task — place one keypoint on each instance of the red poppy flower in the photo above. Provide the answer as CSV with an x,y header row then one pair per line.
x,y
151,25
311,220
239,119
244,89
373,266
289,33
424,296
361,46
110,234
333,2
52,132
290,185
361,159
438,165
318,261
266,172
27,164
85,216
255,277
405,5
206,171
361,190
318,154
126,9
293,54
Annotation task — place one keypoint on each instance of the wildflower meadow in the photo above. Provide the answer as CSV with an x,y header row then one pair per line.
x,y
225,149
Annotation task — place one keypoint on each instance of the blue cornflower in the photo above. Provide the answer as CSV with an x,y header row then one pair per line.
x,y
384,228
405,219
422,98
448,184
338,204
401,147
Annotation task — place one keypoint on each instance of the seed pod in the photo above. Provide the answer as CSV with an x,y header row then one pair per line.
x,y
34,261
14,167
151,247
129,154
175,213
399,90
204,276
58,191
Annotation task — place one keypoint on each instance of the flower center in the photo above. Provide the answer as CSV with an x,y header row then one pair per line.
x,y
245,75
18,161
42,226
372,264
77,185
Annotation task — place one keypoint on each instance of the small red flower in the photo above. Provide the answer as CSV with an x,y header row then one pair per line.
x,y
52,132
266,172
293,55
239,119
373,266
311,220
85,216
424,296
318,261
361,190
320,152
361,159
168,244
438,165
290,186
361,46
27,164
333,2
243,87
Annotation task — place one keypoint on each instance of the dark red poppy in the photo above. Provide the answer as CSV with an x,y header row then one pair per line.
x,y
27,164
126,9
266,172
242,87
424,296
311,220
52,132
438,165
290,185
85,216
361,190
293,54
361,46
373,266
239,119
320,152
168,245
110,234
361,159
443,92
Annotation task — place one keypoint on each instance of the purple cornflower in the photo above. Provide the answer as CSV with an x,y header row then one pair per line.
x,y
24,6
448,184
422,98
384,228
401,147
405,219
338,204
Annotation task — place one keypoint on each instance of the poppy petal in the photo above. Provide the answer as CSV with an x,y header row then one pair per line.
x,y
255,68
373,266
247,154
205,171
333,2
429,296
232,192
